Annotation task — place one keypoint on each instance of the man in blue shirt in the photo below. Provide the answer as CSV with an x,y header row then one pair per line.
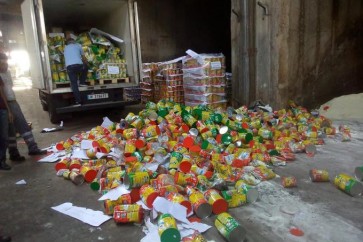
x,y
76,64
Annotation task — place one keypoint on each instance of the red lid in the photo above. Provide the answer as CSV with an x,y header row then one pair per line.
x,y
185,166
195,149
59,146
208,174
185,128
188,205
157,130
237,163
95,144
219,138
188,142
245,125
220,206
130,159
194,219
151,198
135,195
60,165
140,143
74,166
90,175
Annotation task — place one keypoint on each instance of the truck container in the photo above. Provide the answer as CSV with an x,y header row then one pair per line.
x,y
114,17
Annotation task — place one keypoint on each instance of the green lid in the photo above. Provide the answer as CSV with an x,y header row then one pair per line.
x,y
226,139
205,144
163,112
95,186
170,235
217,118
274,152
248,137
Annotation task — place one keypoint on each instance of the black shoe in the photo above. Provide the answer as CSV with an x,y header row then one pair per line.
x,y
4,238
37,152
17,157
4,166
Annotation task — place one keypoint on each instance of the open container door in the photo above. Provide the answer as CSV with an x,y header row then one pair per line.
x,y
35,36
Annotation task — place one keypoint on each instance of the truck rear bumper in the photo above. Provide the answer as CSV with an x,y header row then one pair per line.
x,y
94,106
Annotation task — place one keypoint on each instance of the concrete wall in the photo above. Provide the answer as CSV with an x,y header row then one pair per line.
x,y
309,51
169,27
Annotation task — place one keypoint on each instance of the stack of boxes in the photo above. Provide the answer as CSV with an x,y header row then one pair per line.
x,y
56,43
169,82
104,59
205,80
149,71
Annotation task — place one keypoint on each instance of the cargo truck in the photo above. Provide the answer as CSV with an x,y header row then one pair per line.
x,y
114,17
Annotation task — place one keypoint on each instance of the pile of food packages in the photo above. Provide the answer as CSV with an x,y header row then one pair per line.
x,y
105,60
187,80
207,160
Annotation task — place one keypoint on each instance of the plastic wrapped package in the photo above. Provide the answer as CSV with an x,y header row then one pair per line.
x,y
218,89
206,97
84,39
206,71
205,60
190,80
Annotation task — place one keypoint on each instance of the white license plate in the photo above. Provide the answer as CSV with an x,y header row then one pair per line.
x,y
97,96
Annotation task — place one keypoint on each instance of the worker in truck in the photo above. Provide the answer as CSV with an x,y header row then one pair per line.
x,y
77,68
20,123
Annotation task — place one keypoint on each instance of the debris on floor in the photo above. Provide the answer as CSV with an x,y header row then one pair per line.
x,y
171,161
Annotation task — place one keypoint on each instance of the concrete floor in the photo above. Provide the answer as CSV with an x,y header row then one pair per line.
x,y
323,212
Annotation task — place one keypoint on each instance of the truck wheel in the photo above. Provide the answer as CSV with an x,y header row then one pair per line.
x,y
45,107
54,117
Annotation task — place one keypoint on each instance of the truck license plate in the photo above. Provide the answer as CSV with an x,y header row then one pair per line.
x,y
97,96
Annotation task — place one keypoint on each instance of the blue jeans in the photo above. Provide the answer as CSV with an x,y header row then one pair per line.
x,y
75,72
21,125
4,127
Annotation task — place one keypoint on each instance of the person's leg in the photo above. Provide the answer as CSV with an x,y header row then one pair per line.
x,y
4,128
73,77
12,145
83,74
21,125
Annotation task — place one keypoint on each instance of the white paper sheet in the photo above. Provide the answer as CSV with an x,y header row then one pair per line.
x,y
106,122
50,158
97,31
178,211
115,193
86,144
81,154
143,205
99,155
152,234
88,216
21,182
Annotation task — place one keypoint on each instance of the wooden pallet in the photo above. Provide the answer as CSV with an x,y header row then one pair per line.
x,y
91,82
113,81
62,84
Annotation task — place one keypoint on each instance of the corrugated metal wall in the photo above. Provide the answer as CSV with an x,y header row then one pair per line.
x,y
306,50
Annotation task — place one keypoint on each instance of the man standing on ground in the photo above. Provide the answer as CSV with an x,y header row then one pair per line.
x,y
20,124
5,118
76,64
